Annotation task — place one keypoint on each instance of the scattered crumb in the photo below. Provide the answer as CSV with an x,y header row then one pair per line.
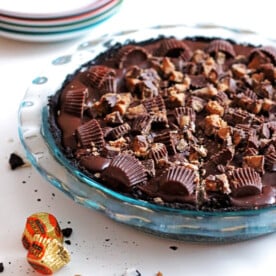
x,y
173,247
15,161
132,272
67,242
159,273
1,267
67,232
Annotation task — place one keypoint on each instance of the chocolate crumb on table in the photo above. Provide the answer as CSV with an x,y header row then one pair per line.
x,y
15,161
132,272
67,232
1,267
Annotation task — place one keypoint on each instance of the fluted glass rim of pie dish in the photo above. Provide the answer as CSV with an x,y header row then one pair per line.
x,y
48,159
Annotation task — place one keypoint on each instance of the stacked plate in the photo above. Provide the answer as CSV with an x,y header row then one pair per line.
x,y
33,20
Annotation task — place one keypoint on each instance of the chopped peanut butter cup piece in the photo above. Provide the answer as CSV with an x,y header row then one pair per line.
x,y
142,124
222,158
156,108
167,138
198,81
268,51
185,117
179,180
255,162
245,182
158,152
119,131
125,170
149,167
270,158
154,104
114,118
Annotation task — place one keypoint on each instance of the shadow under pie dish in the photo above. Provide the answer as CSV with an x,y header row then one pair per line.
x,y
171,130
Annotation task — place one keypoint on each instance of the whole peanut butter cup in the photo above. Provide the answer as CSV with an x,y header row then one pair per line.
x,y
125,170
74,100
173,48
98,74
245,182
108,85
90,134
130,55
179,180
220,45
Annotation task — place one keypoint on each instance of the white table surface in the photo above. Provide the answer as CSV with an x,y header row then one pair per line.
x,y
100,246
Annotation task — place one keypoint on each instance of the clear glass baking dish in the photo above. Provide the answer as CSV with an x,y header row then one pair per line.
x,y
45,156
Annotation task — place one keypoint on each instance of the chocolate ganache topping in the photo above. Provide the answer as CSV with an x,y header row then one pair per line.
x,y
186,123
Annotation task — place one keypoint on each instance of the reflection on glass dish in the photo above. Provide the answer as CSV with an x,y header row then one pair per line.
x,y
46,157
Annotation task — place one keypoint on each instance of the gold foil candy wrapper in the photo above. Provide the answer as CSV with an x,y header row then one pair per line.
x,y
41,223
47,255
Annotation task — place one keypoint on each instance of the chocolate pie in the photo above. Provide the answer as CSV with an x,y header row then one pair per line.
x,y
185,123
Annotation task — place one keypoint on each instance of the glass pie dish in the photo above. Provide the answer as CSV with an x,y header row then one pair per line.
x,y
48,159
